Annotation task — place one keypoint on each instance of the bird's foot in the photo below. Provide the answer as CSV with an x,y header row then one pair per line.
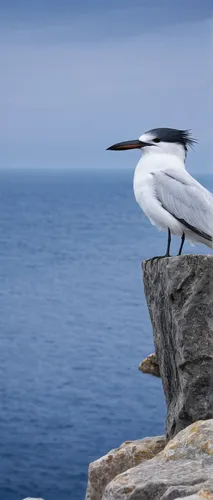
x,y
158,257
167,254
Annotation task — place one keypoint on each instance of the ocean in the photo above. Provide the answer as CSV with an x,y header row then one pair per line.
x,y
74,327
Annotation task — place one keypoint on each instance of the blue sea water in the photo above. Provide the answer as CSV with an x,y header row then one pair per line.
x,y
73,327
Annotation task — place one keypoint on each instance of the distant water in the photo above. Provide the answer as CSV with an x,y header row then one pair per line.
x,y
74,327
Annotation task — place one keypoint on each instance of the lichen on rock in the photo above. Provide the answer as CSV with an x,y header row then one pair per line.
x,y
183,468
129,454
150,365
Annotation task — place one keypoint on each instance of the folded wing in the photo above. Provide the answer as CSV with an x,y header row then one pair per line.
x,y
185,199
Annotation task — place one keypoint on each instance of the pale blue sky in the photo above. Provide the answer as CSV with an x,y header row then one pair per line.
x,y
77,77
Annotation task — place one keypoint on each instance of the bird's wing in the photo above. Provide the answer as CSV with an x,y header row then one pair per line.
x,y
184,198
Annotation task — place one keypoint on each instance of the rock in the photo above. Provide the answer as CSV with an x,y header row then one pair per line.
x,y
204,493
179,294
184,469
150,365
130,454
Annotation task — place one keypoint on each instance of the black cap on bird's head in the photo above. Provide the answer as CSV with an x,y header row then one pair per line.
x,y
157,136
182,137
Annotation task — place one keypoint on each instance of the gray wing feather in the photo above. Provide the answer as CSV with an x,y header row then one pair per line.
x,y
185,198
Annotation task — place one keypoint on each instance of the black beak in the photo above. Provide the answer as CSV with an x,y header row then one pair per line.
x,y
121,146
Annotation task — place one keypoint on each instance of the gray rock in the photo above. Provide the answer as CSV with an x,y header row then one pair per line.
x,y
184,469
205,493
128,455
179,294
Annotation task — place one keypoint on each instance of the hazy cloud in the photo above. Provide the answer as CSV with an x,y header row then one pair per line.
x,y
64,100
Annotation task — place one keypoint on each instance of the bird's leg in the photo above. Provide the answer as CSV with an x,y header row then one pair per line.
x,y
168,244
182,243
167,250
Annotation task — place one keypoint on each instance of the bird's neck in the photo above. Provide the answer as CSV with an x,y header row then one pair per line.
x,y
155,162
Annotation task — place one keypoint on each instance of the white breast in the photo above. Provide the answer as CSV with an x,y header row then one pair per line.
x,y
150,164
144,188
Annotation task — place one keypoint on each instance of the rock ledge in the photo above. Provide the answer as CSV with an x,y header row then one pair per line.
x,y
183,468
128,455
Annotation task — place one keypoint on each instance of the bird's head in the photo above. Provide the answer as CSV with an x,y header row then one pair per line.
x,y
159,140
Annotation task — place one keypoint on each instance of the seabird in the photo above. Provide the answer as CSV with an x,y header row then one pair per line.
x,y
168,195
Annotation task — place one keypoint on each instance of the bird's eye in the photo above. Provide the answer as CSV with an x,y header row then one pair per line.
x,y
156,140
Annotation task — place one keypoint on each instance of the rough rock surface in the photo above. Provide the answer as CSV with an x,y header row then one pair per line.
x,y
179,294
150,365
130,454
184,469
202,494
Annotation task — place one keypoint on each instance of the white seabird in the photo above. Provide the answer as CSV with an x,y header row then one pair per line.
x,y
169,196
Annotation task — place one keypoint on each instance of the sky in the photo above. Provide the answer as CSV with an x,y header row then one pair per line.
x,y
78,76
